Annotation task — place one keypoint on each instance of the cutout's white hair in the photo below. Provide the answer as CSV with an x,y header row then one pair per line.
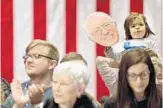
x,y
78,71
94,15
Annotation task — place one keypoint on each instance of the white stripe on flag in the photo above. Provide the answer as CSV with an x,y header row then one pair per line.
x,y
118,11
56,24
23,34
84,46
152,10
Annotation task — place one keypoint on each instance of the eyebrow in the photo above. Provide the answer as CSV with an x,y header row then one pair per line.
x,y
102,24
144,70
137,23
108,23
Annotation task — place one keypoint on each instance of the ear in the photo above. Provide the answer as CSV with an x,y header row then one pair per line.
x,y
80,89
52,64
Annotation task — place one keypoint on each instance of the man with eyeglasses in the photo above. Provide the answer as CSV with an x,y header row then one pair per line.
x,y
40,59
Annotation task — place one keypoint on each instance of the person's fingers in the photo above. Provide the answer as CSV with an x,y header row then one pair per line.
x,y
25,99
41,88
16,81
35,90
35,94
15,85
30,94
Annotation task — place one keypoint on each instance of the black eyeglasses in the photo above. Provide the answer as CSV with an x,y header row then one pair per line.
x,y
35,56
143,76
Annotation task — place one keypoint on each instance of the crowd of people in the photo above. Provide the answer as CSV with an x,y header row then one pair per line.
x,y
133,76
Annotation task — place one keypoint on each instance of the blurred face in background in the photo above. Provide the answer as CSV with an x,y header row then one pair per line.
x,y
138,78
101,29
37,61
64,89
158,70
137,28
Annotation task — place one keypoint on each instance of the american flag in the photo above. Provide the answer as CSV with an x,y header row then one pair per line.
x,y
61,23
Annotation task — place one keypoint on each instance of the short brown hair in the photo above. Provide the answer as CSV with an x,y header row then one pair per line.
x,y
73,56
53,51
130,19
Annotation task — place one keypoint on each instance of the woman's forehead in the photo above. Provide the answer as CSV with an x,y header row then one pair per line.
x,y
61,76
138,68
137,20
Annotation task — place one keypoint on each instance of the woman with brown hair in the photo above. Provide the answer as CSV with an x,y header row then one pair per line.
x,y
136,82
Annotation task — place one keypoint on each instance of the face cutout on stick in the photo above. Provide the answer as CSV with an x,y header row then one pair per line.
x,y
101,28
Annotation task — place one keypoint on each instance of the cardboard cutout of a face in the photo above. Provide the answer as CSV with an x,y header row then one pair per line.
x,y
101,29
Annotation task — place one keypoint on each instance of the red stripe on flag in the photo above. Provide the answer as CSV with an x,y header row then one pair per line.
x,y
102,5
70,25
136,6
39,19
7,39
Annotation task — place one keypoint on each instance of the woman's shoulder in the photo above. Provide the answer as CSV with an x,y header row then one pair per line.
x,y
110,105
84,102
49,103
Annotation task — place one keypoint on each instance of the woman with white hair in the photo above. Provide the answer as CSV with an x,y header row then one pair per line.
x,y
69,82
